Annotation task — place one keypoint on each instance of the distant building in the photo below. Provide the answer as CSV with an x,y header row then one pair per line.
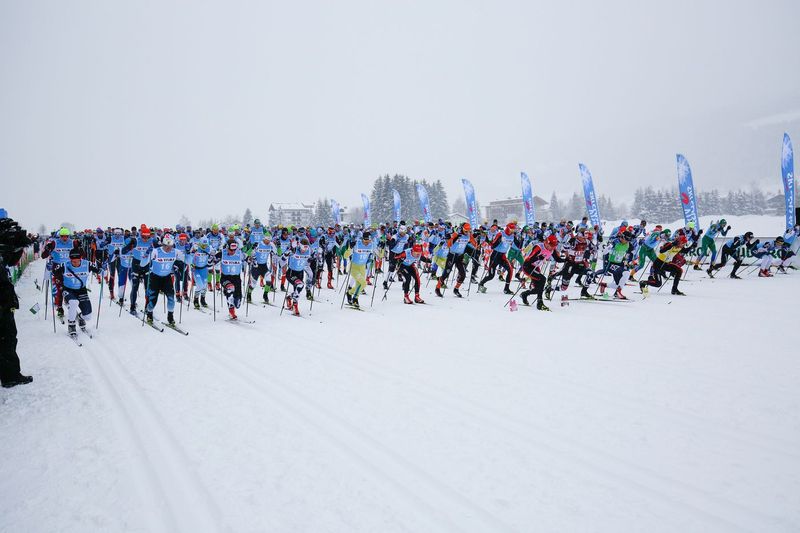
x,y
290,214
457,218
511,209
776,205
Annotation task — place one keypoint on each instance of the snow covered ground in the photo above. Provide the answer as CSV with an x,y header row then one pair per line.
x,y
762,226
669,414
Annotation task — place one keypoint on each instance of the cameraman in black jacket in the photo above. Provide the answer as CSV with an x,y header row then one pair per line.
x,y
13,241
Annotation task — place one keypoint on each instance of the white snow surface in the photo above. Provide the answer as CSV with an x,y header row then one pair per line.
x,y
762,226
668,414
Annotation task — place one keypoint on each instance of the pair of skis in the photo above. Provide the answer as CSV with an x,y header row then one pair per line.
x,y
74,337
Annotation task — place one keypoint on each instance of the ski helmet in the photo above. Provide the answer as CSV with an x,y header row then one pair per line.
x,y
168,240
63,232
748,235
466,227
145,231
551,241
723,222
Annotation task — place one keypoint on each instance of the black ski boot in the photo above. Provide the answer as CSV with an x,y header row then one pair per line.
x,y
676,292
149,315
203,301
524,297
196,302
438,292
170,318
19,379
734,276
71,329
457,292
540,306
507,290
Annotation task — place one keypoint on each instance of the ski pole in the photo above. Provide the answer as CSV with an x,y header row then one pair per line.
x,y
213,290
247,290
53,303
46,285
99,301
374,286
346,280
124,286
146,296
515,293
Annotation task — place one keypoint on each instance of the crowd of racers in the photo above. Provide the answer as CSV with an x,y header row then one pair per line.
x,y
540,259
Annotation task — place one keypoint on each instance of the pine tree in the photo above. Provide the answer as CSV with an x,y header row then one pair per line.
x,y
577,208
556,211
459,206
247,218
438,197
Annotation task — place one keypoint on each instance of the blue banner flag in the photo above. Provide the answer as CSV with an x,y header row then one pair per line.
x,y
472,207
336,212
527,199
686,188
787,169
396,205
365,201
424,202
589,196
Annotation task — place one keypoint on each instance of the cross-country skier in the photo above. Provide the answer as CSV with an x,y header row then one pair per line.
x,y
231,260
362,251
262,263
457,244
408,259
297,270
198,260
763,252
165,262
141,247
75,274
664,264
500,245
707,243
533,267
731,249
619,257
58,250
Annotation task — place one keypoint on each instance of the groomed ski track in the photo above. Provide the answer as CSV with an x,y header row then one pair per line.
x,y
669,414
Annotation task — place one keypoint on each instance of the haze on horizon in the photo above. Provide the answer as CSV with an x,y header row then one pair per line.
x,y
119,113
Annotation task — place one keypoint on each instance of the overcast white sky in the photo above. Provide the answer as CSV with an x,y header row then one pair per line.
x,y
118,113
